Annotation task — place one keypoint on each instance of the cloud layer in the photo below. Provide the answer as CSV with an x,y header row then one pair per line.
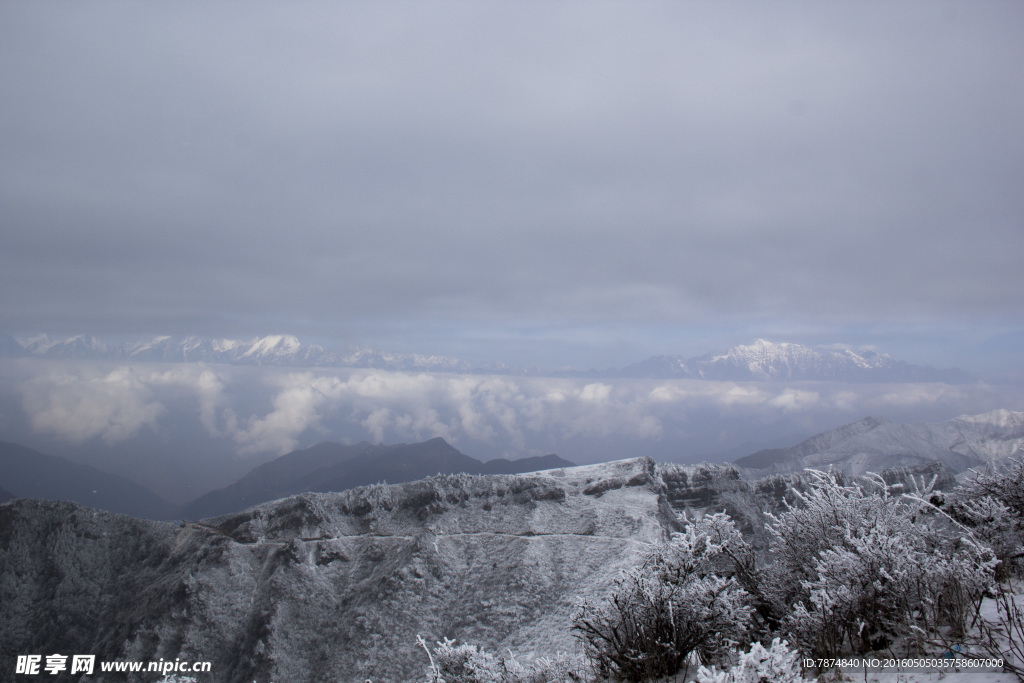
x,y
269,412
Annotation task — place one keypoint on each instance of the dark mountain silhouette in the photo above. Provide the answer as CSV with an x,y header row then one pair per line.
x,y
6,495
26,473
534,464
338,467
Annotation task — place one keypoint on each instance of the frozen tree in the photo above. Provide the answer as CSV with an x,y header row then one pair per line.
x,y
669,608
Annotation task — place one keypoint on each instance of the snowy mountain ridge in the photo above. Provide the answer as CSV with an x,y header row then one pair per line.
x,y
765,361
871,445
761,361
275,350
337,586
331,586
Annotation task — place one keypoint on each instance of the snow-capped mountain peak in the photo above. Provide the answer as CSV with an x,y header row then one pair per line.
x,y
73,346
765,360
759,361
276,350
274,345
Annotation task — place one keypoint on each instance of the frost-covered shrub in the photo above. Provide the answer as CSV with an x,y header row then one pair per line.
x,y
816,522
864,568
991,503
714,542
560,669
995,524
776,664
668,608
1005,484
451,663
717,539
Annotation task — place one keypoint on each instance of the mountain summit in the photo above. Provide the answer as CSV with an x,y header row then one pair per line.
x,y
765,361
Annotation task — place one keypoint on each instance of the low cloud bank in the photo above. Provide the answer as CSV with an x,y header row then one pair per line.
x,y
267,412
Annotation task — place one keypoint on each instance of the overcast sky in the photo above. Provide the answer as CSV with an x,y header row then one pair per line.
x,y
554,182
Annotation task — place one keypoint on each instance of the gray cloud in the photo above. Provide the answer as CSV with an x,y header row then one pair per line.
x,y
267,412
548,179
114,406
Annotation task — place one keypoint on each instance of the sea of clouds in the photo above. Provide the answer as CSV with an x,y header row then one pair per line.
x,y
264,412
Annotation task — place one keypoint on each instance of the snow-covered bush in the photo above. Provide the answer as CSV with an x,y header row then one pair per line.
x,y
669,608
1005,483
717,539
864,568
714,542
991,503
451,663
816,522
995,524
776,664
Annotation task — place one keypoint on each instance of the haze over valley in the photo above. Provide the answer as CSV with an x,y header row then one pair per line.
x,y
182,425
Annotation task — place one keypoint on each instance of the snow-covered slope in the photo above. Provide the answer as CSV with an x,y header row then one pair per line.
x,y
873,445
768,361
336,586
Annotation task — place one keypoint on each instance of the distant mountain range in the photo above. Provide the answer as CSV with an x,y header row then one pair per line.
x,y
872,445
869,445
765,361
337,467
273,350
25,473
762,361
